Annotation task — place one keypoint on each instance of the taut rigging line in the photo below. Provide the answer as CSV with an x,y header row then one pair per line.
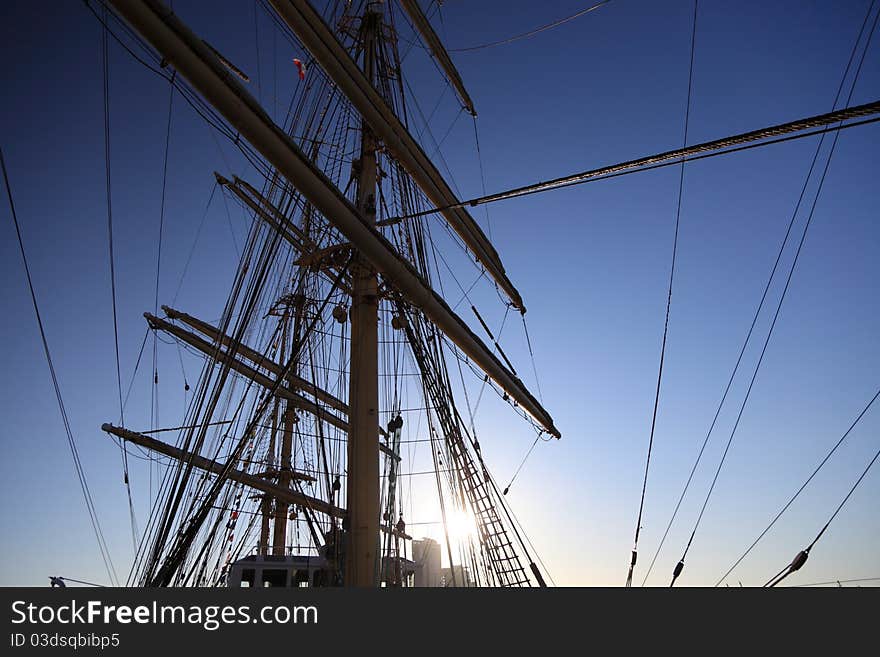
x,y
535,31
687,114
680,565
105,61
801,557
87,495
802,487
760,306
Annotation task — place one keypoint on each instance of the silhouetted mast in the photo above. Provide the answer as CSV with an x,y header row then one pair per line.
x,y
372,255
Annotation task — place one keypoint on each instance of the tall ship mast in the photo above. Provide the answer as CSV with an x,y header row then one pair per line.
x,y
288,465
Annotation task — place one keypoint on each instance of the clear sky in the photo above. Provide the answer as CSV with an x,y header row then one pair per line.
x,y
591,262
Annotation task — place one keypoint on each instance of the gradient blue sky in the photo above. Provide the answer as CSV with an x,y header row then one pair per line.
x,y
591,262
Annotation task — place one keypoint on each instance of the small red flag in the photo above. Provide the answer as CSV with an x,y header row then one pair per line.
x,y
301,68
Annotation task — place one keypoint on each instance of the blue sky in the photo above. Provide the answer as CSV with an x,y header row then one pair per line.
x,y
591,263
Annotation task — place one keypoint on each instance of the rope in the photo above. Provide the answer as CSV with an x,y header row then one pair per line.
x,y
90,505
778,577
537,30
123,450
482,176
522,463
106,74
757,313
195,242
201,107
800,490
791,271
532,357
154,390
446,134
754,376
136,366
257,49
212,119
845,500
178,550
801,558
837,581
668,305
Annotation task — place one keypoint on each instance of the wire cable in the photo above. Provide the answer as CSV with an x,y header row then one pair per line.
x,y
482,176
760,306
687,114
533,32
90,506
800,490
839,582
123,450
522,463
807,224
155,391
801,557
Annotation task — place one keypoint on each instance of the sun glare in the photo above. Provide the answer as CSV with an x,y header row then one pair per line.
x,y
460,525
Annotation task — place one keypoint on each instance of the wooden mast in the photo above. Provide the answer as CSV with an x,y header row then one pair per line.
x,y
279,535
279,538
362,484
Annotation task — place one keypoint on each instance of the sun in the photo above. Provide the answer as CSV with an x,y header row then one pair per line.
x,y
460,525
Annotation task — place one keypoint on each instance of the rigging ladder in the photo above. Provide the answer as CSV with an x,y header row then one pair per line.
x,y
494,539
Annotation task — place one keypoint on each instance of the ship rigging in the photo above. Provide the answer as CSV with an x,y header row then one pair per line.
x,y
338,346
322,241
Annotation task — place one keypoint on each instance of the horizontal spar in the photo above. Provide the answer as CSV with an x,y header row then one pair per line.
x,y
268,213
261,360
278,492
288,231
774,134
222,356
429,36
209,77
